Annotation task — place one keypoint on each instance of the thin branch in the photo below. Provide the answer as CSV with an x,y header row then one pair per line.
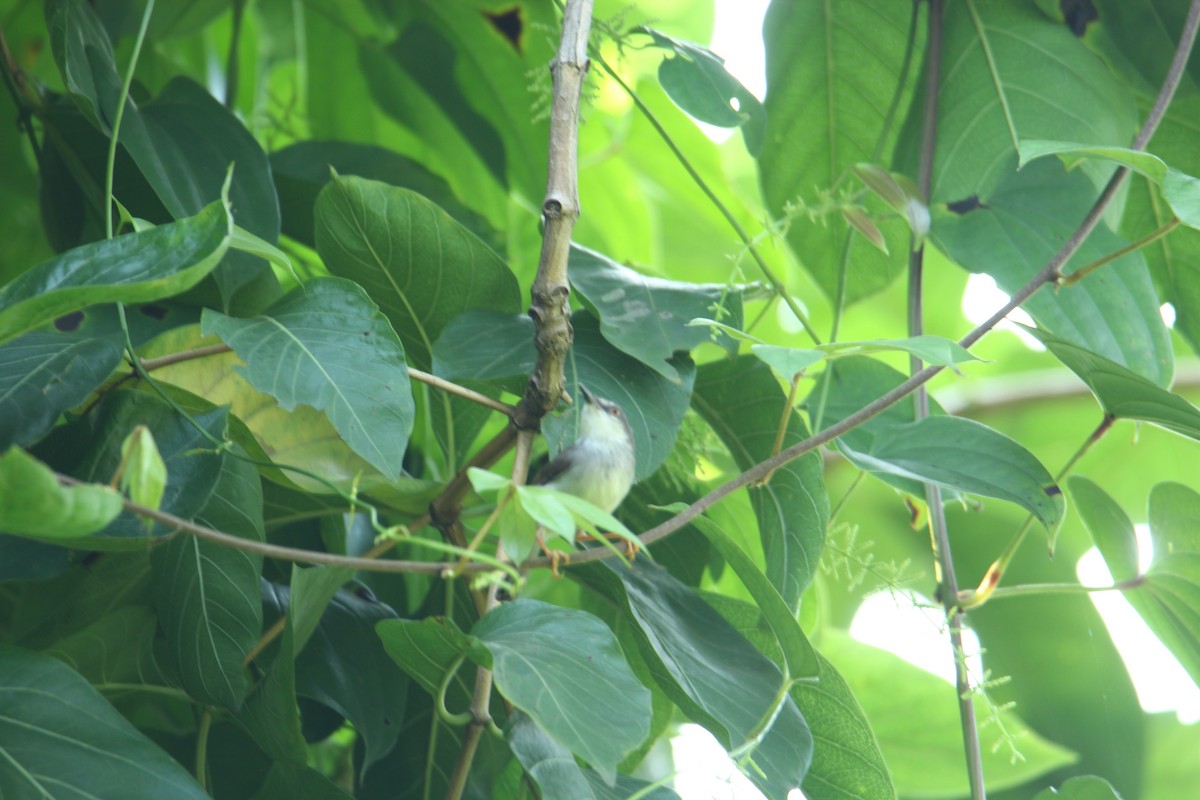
x,y
1087,269
232,64
116,125
1024,590
747,241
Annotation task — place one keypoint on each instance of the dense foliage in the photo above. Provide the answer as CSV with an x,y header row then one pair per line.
x,y
262,337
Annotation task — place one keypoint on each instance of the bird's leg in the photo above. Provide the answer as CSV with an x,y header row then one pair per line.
x,y
557,557
632,546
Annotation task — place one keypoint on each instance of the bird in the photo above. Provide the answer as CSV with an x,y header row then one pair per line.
x,y
599,466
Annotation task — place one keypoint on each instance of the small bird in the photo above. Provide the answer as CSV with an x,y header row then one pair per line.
x,y
599,466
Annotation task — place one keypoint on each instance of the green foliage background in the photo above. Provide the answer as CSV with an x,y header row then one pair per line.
x,y
314,198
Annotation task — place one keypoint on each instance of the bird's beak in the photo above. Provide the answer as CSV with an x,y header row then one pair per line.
x,y
587,396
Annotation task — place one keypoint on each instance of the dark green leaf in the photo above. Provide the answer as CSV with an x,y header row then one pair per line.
x,y
486,345
46,372
23,559
426,649
133,268
648,317
562,666
312,347
117,648
827,109
956,453
1122,393
62,739
33,503
270,714
744,404
208,595
798,654
303,169
696,79
311,590
417,263
550,764
1016,228
715,676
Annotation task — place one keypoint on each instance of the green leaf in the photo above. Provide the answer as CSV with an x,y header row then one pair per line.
x,y
310,592
696,79
312,346
134,268
955,453
1123,393
301,170
426,649
485,345
716,677
997,95
1111,529
1081,787
549,763
1012,230
208,595
60,738
798,654
790,361
90,451
848,763
1182,192
562,666
145,475
270,714
827,110
33,503
421,267
924,751
743,403
45,372
117,648
648,317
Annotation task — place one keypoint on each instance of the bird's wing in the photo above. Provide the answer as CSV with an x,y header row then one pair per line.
x,y
553,468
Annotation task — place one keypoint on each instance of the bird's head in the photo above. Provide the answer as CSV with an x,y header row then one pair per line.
x,y
602,420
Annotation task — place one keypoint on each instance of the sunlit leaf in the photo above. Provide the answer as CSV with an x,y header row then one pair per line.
x,y
33,502
144,477
1080,787
426,649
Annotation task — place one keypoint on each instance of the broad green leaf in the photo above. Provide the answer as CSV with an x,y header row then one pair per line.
x,y
303,437
145,475
24,559
744,404
716,677
301,170
345,667
1182,192
133,268
270,714
848,763
426,649
924,752
1137,38
312,347
798,654
44,373
60,738
208,595
549,763
1013,229
997,94
790,361
485,345
1122,393
33,503
827,109
696,79
952,452
562,666
417,263
117,648
1111,529
90,450
648,317
1081,787
311,590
